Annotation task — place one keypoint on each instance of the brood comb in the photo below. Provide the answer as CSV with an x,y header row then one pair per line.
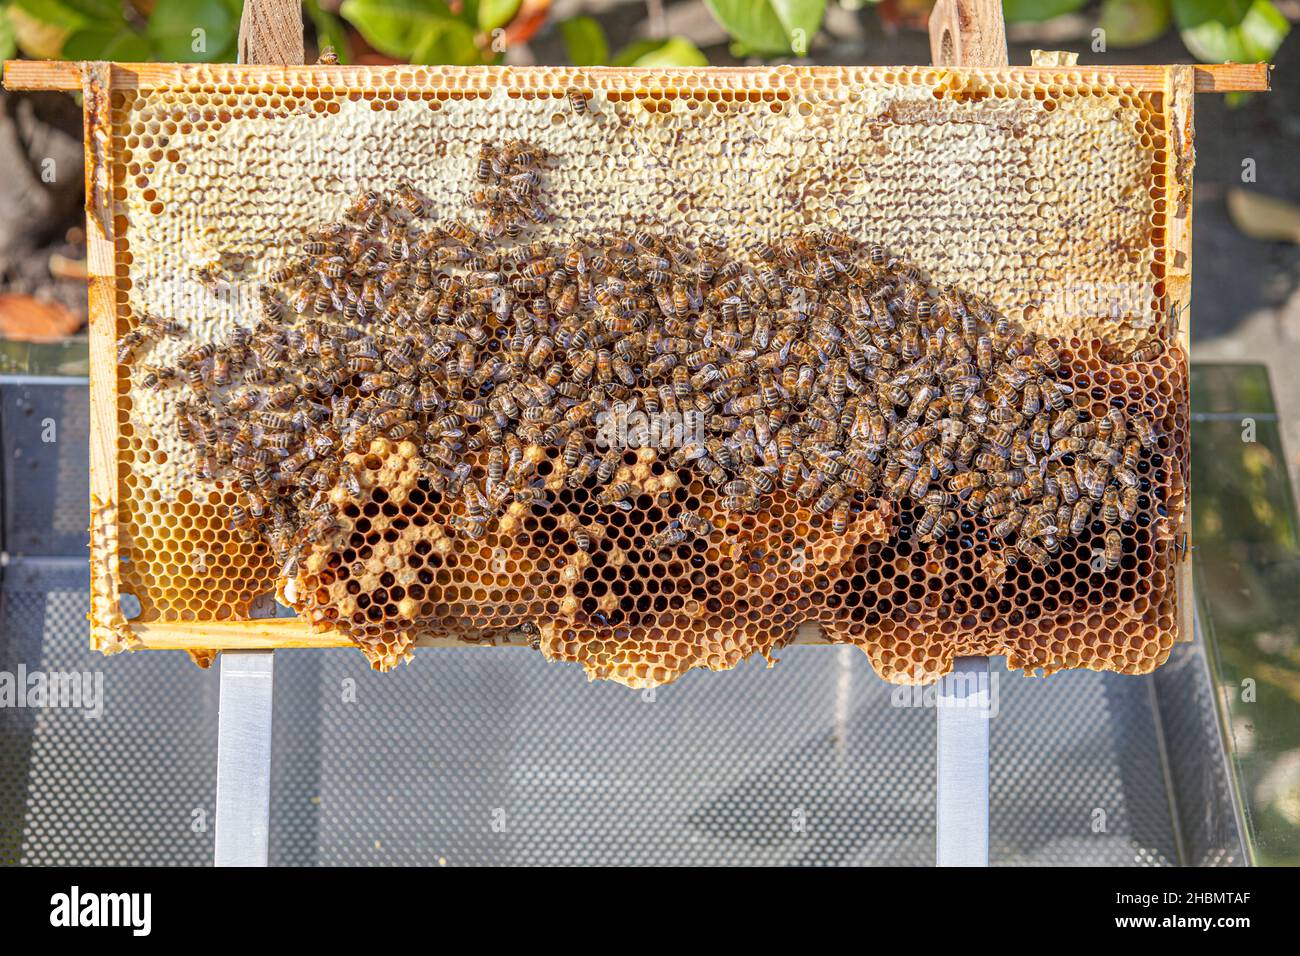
x,y
1060,196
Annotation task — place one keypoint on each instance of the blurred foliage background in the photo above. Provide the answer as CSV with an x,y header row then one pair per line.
x,y
485,31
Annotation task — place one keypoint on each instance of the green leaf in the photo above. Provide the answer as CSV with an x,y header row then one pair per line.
x,y
329,30
1020,10
173,26
773,27
447,41
122,44
1134,22
8,39
65,16
105,11
496,13
396,27
584,41
675,51
1241,31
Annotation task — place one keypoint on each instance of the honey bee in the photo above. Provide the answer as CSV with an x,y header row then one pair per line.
x,y
1035,552
1048,356
1068,487
967,481
462,232
1148,350
363,205
581,536
1146,432
531,496
1124,476
739,503
840,517
411,200
616,494
483,169
1009,524
1021,455
694,524
1113,549
209,275
1128,504
474,527
284,273
669,537
274,308
221,369
1079,515
1055,395
1064,424
156,377
239,518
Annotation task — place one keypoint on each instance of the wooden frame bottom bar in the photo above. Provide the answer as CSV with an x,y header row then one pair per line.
x,y
290,632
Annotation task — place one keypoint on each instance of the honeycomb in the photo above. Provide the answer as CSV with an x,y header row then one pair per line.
x,y
1048,199
629,612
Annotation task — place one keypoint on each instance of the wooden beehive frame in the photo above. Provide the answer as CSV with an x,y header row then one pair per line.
x,y
98,81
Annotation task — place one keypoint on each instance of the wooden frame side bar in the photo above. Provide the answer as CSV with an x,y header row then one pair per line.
x,y
1180,104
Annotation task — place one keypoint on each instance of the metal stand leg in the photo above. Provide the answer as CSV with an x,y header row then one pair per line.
x,y
962,811
244,758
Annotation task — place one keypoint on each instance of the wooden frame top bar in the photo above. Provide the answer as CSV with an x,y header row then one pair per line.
x,y
67,75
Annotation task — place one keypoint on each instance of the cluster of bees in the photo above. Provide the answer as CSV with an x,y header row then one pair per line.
x,y
814,364
509,180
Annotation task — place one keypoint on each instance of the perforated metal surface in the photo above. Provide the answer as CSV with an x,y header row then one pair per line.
x,y
706,772
1208,822
48,430
812,763
506,761
133,786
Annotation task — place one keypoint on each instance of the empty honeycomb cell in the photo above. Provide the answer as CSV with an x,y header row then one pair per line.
x,y
782,152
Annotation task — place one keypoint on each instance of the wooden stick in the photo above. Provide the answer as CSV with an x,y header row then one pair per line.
x,y
270,31
968,33
57,75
